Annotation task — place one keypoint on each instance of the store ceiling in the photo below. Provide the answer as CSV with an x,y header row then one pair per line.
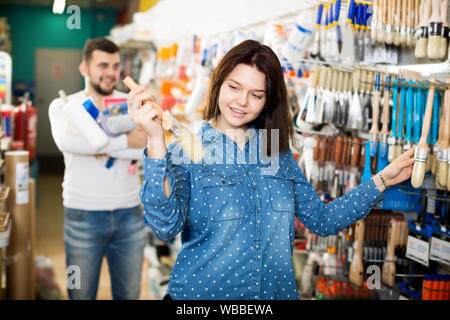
x,y
116,4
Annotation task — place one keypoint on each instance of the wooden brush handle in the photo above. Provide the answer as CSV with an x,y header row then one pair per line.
x,y
322,77
339,149
444,12
166,120
385,13
340,81
386,107
362,160
417,11
322,150
410,17
344,150
356,152
355,79
346,81
362,80
317,148
426,12
356,269
435,13
427,118
332,82
375,111
404,12
315,77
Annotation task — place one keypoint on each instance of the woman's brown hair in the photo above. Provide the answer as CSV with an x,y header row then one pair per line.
x,y
275,114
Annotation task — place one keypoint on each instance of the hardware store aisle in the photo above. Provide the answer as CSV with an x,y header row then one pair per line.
x,y
49,237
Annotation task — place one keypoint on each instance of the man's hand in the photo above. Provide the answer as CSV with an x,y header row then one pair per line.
x,y
136,138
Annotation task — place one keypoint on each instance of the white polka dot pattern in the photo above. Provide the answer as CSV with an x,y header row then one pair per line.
x,y
237,224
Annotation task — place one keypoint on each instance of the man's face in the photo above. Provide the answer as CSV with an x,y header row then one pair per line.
x,y
103,70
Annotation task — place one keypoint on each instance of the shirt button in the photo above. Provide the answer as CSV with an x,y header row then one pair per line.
x,y
254,188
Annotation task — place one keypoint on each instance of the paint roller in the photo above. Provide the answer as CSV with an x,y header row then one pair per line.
x,y
422,150
83,120
191,143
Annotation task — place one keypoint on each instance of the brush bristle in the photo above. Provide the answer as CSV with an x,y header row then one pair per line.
x,y
192,145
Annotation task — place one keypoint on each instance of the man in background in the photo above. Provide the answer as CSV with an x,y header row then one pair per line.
x,y
102,208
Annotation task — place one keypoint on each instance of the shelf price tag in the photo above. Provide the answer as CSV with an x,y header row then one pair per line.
x,y
418,250
440,250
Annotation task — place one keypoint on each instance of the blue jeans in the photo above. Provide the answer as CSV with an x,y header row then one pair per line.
x,y
89,236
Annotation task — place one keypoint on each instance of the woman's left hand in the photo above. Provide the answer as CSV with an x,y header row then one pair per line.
x,y
397,171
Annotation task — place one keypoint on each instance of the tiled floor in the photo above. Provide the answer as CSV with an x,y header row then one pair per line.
x,y
49,237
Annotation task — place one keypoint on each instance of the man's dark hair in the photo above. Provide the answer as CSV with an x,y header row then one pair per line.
x,y
101,44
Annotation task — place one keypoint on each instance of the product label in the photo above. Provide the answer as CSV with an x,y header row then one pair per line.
x,y
440,250
22,186
418,250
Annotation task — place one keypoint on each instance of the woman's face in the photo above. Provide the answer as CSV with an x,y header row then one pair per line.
x,y
241,98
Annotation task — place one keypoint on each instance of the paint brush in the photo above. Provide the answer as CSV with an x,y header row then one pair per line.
x,y
392,137
422,30
435,31
190,142
422,149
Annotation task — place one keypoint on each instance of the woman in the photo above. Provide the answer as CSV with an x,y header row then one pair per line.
x,y
236,211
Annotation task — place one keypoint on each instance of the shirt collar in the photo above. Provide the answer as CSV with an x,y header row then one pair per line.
x,y
210,135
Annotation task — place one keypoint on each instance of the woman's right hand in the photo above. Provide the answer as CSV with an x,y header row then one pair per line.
x,y
143,114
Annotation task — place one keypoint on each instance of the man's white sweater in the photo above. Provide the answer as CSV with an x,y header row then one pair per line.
x,y
88,184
